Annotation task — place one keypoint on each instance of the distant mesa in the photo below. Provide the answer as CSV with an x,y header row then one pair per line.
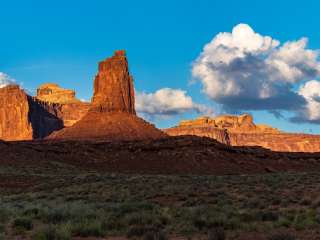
x,y
53,93
233,123
242,131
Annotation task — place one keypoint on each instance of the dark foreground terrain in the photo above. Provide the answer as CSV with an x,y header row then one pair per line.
x,y
179,188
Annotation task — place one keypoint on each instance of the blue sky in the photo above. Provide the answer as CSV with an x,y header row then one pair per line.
x,y
62,41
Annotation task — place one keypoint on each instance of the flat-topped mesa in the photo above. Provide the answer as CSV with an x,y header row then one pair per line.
x,y
113,86
53,93
233,123
242,131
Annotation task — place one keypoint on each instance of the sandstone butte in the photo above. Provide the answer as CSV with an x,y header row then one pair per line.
x,y
242,131
57,111
112,113
67,107
23,117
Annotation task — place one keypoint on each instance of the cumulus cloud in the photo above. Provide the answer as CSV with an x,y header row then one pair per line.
x,y
167,102
5,80
244,70
311,111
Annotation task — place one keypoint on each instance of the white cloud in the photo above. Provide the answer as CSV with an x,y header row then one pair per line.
x,y
167,102
311,92
5,80
244,70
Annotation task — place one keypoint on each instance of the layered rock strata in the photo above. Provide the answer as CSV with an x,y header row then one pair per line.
x,y
67,107
242,131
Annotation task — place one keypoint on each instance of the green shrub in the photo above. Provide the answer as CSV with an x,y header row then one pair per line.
x,y
22,224
32,212
4,215
216,234
155,235
52,232
282,236
113,224
86,228
139,231
56,216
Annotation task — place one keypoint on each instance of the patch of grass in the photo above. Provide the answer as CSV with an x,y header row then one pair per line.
x,y
92,228
155,235
282,236
22,224
53,232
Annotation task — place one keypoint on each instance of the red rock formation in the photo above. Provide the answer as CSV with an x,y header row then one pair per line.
x,y
112,114
283,142
113,85
67,107
53,93
219,134
24,118
241,131
14,111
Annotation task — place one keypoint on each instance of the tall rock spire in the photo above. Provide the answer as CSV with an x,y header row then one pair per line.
x,y
112,115
113,85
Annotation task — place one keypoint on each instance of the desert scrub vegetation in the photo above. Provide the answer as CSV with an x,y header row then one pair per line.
x,y
154,207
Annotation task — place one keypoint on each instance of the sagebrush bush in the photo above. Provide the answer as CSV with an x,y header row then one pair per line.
x,y
22,223
282,236
216,234
92,228
155,235
52,232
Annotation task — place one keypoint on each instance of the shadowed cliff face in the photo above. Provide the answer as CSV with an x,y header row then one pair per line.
x,y
23,117
43,118
242,131
66,106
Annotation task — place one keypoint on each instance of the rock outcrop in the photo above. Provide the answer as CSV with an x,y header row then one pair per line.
x,y
242,131
14,112
112,113
67,107
219,134
23,117
53,93
113,85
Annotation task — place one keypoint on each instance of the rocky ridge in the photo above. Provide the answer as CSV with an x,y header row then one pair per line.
x,y
242,131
